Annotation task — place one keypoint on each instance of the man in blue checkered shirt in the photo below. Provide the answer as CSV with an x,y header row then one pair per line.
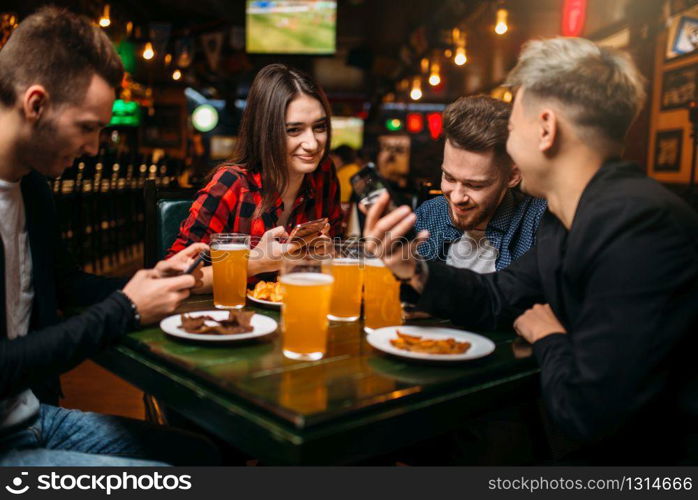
x,y
482,222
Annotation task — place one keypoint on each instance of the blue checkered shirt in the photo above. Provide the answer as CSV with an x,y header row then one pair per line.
x,y
512,229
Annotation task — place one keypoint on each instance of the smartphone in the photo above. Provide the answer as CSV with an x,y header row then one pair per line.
x,y
202,256
306,229
368,185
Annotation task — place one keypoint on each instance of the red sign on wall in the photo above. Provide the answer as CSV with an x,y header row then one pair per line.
x,y
574,13
435,124
415,123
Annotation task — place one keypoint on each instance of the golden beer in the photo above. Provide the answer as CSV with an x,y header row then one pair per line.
x,y
304,307
345,304
229,274
381,297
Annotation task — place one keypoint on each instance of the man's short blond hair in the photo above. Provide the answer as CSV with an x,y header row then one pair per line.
x,y
601,89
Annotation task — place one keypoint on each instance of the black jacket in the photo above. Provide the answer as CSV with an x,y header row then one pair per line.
x,y
52,345
623,281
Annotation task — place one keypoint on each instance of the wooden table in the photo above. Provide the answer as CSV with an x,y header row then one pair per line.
x,y
354,404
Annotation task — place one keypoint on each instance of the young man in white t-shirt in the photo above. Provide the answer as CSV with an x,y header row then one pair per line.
x,y
58,74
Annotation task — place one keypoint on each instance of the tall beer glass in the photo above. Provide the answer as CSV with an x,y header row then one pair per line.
x,y
348,272
306,288
381,296
229,255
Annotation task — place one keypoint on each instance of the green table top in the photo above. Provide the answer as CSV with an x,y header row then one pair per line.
x,y
290,405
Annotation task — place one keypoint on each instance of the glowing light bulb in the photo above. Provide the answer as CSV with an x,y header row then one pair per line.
x,y
416,92
460,59
434,75
148,52
501,26
176,75
105,20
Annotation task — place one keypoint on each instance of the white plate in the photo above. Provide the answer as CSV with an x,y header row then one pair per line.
x,y
264,302
480,346
263,325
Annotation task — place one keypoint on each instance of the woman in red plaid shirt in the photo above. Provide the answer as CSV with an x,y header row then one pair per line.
x,y
279,176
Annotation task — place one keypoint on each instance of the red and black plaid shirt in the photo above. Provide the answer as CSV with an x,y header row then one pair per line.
x,y
228,203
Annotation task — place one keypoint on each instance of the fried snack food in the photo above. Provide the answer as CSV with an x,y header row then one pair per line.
x,y
238,322
429,346
267,290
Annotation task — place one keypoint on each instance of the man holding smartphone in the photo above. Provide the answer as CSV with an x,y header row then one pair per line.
x,y
481,221
57,79
607,296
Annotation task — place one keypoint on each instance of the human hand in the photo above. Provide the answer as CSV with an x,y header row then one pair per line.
x,y
267,254
385,237
538,322
156,297
180,262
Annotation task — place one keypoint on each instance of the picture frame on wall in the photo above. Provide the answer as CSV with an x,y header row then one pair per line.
x,y
683,34
679,87
667,150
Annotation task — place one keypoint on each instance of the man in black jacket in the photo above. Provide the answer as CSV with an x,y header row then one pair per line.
x,y
609,294
57,79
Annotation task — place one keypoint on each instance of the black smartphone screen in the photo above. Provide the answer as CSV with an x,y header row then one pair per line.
x,y
369,185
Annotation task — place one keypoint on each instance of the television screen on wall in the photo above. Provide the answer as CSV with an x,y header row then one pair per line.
x,y
291,26
347,130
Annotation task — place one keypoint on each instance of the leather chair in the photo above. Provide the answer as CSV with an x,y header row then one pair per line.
x,y
165,209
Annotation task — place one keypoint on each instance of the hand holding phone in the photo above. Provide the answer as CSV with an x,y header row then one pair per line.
x,y
368,186
307,230
202,256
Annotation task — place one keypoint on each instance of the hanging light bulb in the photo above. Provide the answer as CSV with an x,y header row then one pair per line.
x,y
176,75
501,26
424,65
416,92
459,40
168,59
148,52
434,76
105,20
460,58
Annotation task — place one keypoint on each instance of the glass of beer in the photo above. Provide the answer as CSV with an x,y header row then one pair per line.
x,y
381,296
229,255
306,288
348,273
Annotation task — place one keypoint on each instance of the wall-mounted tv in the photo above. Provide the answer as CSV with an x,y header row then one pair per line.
x,y
347,130
291,26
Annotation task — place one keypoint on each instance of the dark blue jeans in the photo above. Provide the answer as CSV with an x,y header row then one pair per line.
x,y
61,437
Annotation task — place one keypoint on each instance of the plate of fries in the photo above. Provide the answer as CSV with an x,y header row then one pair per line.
x,y
431,343
266,293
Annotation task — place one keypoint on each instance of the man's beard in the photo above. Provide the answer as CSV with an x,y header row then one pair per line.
x,y
42,149
475,219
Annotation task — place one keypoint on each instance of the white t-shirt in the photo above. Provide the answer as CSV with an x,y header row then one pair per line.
x,y
472,251
19,292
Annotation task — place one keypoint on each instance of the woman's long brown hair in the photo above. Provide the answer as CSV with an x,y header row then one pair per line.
x,y
261,144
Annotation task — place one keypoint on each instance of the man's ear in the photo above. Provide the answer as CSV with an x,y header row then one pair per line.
x,y
514,177
547,129
34,102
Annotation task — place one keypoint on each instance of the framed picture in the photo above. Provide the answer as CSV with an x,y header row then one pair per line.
x,y
683,34
679,87
667,150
